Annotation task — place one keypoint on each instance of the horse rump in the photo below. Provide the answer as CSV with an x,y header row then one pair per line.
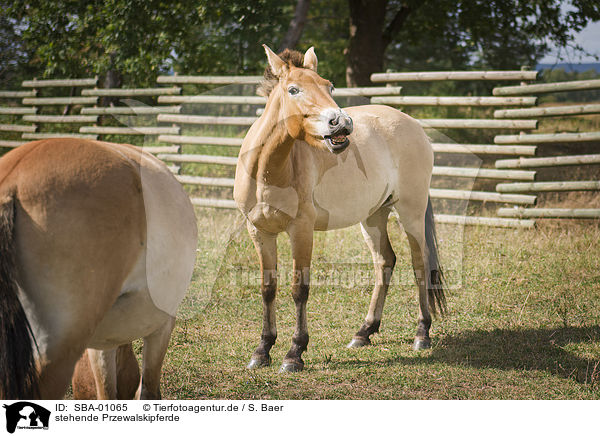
x,y
18,372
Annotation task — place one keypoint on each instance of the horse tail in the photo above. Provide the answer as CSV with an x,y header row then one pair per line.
x,y
435,285
18,371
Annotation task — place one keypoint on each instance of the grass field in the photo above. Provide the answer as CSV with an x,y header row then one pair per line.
x,y
523,321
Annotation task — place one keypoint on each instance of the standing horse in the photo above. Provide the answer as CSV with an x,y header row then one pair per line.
x,y
97,248
308,165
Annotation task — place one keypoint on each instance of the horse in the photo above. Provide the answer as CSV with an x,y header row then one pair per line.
x,y
306,165
97,249
127,376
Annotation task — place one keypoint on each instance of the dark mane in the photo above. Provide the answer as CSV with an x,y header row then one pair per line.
x,y
292,57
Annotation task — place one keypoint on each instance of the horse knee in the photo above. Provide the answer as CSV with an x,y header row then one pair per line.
x,y
300,293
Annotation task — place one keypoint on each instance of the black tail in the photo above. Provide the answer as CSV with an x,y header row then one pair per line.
x,y
18,372
437,298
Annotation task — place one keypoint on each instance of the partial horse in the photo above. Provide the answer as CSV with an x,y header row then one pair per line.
x,y
308,165
97,248
128,376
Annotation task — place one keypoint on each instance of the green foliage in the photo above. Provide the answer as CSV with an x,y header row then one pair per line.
x,y
447,34
226,37
84,38
140,39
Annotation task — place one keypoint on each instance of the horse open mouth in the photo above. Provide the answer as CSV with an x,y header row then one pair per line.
x,y
337,143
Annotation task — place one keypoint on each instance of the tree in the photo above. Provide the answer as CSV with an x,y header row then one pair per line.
x,y
427,33
291,38
116,39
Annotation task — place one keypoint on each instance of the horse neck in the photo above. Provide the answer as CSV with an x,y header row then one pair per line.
x,y
273,161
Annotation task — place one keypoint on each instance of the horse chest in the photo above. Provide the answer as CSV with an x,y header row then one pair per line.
x,y
269,218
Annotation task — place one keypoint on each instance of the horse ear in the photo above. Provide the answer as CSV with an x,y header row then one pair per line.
x,y
310,59
278,66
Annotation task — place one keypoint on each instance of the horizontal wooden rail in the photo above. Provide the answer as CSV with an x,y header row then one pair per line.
x,y
206,181
204,119
201,140
580,109
590,185
17,94
131,92
454,194
59,82
542,88
162,149
132,110
520,150
547,138
199,158
48,101
483,173
11,143
483,221
477,124
210,80
367,91
453,75
17,128
17,110
130,130
48,135
61,118
213,202
455,101
211,99
548,213
539,162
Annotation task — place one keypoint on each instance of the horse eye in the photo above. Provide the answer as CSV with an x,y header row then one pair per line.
x,y
293,90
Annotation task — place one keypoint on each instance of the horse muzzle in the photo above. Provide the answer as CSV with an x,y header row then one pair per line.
x,y
340,127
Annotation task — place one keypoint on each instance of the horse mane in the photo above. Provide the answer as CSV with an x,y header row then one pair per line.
x,y
292,57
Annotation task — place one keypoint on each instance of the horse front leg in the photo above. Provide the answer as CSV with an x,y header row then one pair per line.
x,y
266,248
301,238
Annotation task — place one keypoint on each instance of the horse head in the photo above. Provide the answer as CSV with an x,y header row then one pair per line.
x,y
307,109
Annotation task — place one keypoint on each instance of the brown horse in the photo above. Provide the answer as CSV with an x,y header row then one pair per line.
x,y
127,373
97,248
308,165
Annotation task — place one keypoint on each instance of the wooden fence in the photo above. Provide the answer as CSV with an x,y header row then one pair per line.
x,y
197,129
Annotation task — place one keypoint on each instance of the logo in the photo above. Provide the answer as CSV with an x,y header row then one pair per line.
x,y
26,415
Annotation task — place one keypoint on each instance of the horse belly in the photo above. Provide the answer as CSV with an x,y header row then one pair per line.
x,y
133,316
347,194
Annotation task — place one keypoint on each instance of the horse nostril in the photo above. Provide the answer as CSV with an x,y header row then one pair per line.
x,y
334,121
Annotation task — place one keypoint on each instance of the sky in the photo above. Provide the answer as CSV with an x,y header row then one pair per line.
x,y
588,38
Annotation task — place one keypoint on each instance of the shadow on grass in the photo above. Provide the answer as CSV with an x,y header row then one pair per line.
x,y
530,350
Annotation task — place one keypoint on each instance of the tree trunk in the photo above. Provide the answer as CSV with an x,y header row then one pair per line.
x,y
369,37
113,79
296,26
366,45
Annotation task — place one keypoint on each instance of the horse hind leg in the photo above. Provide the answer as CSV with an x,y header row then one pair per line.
x,y
155,348
128,373
104,369
128,376
374,231
420,230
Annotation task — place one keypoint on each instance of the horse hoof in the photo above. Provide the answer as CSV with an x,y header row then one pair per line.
x,y
256,363
421,344
291,367
357,342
